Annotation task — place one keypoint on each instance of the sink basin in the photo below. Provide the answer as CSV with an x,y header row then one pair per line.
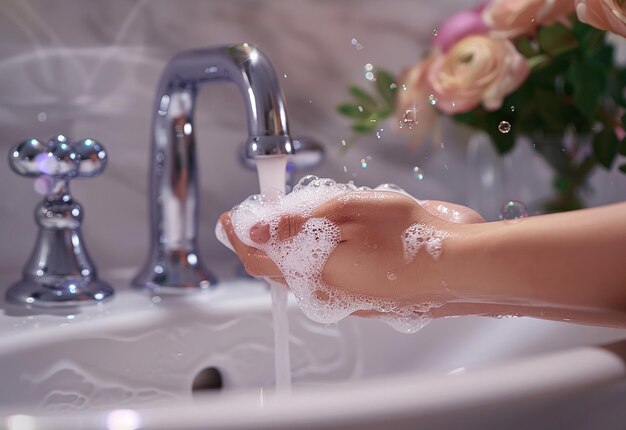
x,y
209,359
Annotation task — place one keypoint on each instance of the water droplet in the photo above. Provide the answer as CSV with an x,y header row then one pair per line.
x,y
403,87
435,32
432,100
409,118
417,173
343,142
285,75
345,169
393,86
504,127
391,276
360,108
355,44
513,209
442,145
42,117
363,163
512,108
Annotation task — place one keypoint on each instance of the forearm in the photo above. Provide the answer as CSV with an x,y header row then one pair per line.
x,y
574,261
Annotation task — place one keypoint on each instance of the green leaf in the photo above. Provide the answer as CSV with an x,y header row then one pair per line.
x,y
622,168
525,47
362,97
387,86
364,127
590,82
538,61
605,147
556,39
352,111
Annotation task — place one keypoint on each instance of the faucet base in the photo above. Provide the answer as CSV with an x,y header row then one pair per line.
x,y
175,272
66,293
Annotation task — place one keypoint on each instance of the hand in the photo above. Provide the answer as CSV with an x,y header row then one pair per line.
x,y
369,259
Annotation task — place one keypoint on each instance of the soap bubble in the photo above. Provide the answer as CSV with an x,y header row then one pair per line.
x,y
417,173
513,209
409,119
504,127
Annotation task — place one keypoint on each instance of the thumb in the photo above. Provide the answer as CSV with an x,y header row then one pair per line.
x,y
288,226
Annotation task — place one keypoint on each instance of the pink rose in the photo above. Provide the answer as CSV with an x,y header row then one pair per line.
x,y
458,26
477,69
603,14
512,18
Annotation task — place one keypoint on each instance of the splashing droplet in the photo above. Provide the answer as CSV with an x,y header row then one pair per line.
x,y
360,108
343,142
513,209
393,86
504,127
417,173
363,163
409,119
285,75
512,108
435,32
432,100
355,44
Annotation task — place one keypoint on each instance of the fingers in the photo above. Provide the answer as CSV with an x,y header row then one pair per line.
x,y
288,226
255,261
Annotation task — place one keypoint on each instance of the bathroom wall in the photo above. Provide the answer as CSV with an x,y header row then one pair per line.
x,y
90,68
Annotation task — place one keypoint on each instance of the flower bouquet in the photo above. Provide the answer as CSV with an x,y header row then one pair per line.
x,y
545,69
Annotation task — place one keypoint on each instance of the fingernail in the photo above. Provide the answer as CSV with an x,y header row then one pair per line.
x,y
260,233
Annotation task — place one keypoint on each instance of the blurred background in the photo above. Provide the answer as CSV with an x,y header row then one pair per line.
x,y
90,69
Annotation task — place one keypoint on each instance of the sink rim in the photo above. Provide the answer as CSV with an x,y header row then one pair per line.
x,y
588,368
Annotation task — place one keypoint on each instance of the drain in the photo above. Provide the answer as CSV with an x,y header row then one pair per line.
x,y
208,379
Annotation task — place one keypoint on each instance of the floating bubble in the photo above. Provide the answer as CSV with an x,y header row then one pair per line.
x,y
432,100
355,44
504,127
42,117
513,209
391,275
409,119
417,173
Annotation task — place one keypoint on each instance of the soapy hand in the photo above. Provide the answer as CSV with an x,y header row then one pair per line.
x,y
369,258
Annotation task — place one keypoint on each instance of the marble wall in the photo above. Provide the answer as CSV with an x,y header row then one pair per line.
x,y
90,68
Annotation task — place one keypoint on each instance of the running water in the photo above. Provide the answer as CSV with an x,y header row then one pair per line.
x,y
272,176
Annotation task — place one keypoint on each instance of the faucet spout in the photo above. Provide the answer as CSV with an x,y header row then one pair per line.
x,y
174,264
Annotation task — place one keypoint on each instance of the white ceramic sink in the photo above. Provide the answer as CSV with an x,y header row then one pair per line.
x,y
132,362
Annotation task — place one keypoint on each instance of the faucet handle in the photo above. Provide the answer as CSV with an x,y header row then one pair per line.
x,y
58,158
60,271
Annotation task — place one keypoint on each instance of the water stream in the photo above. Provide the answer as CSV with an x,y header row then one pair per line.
x,y
272,172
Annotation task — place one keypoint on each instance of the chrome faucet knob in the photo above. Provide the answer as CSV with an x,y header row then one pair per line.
x,y
59,271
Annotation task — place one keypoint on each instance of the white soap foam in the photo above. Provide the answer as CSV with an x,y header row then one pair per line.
x,y
301,258
420,235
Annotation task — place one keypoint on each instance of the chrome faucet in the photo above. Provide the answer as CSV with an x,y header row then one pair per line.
x,y
174,264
